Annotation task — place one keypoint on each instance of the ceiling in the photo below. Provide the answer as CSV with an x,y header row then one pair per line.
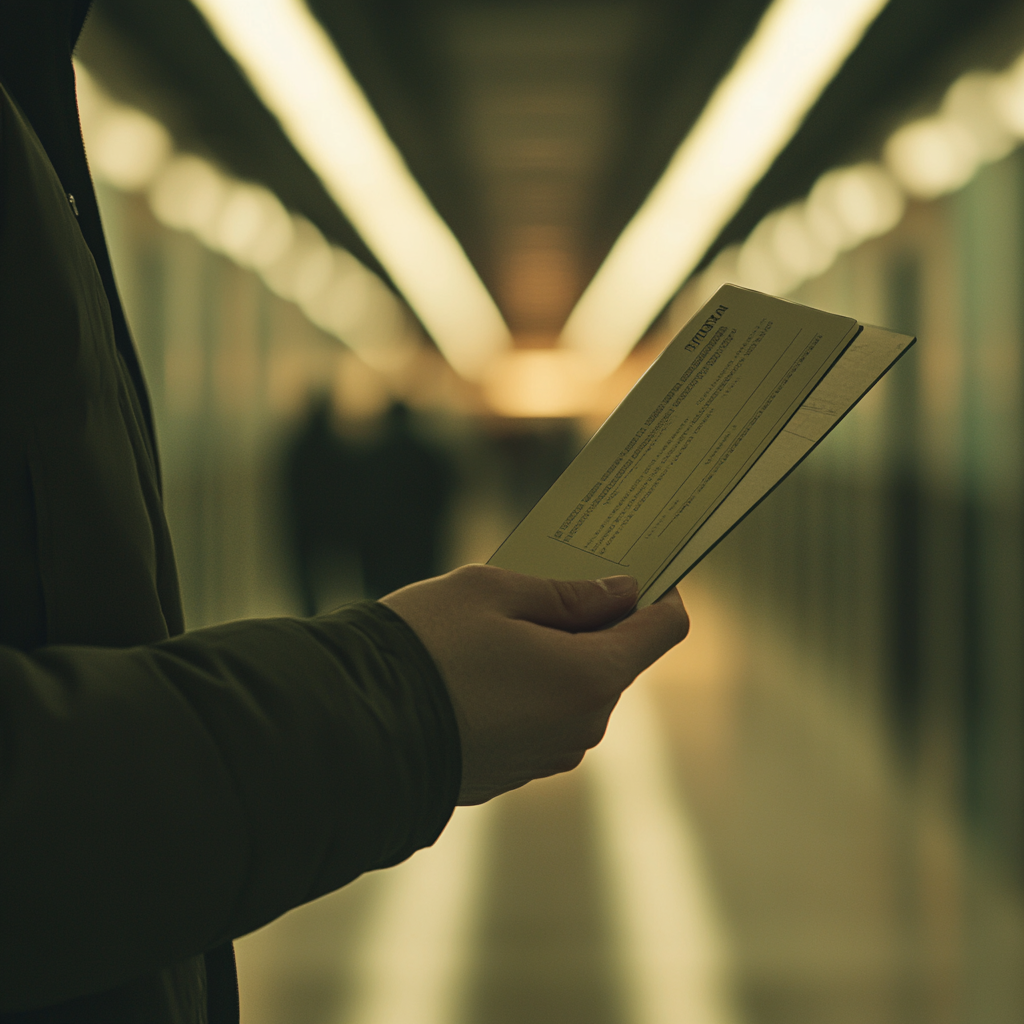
x,y
537,128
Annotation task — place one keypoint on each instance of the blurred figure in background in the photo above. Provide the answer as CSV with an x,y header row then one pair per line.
x,y
321,483
375,507
405,488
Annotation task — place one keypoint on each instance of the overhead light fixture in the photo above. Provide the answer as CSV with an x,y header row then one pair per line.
x,y
939,154
252,227
849,205
127,148
130,149
980,120
189,195
794,53
932,156
973,101
541,382
1008,98
131,152
300,77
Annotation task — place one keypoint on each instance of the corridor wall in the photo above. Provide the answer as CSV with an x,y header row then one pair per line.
x,y
893,560
230,367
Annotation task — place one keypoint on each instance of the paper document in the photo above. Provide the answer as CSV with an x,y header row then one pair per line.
x,y
741,395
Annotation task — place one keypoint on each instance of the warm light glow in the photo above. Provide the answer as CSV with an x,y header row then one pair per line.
x,y
981,119
797,247
189,194
359,308
299,75
796,50
971,101
304,270
350,299
847,206
331,286
789,246
127,148
932,156
252,227
757,263
851,204
130,148
1008,98
541,382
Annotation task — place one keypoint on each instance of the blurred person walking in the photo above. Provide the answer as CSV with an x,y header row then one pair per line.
x,y
323,483
405,493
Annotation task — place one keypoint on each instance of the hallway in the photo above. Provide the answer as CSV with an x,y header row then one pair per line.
x,y
811,811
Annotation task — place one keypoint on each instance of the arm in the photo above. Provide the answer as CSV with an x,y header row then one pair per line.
x,y
159,800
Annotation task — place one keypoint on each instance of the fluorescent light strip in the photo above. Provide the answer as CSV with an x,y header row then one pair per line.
x,y
131,152
299,75
795,52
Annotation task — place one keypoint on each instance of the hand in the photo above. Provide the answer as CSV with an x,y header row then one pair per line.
x,y
531,675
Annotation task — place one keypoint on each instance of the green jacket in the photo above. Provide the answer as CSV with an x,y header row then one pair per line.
x,y
161,793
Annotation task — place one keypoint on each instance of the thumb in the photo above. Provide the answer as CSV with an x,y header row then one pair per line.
x,y
647,634
573,605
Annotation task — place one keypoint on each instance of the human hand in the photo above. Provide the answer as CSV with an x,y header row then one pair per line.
x,y
531,675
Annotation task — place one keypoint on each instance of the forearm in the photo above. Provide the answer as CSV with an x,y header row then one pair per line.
x,y
161,799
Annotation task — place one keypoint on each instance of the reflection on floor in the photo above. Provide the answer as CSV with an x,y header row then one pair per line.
x,y
737,850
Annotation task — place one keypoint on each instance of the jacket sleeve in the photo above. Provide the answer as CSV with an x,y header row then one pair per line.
x,y
157,801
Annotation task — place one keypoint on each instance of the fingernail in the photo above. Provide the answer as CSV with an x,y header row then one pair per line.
x,y
619,586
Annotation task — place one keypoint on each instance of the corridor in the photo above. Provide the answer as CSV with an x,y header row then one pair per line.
x,y
810,811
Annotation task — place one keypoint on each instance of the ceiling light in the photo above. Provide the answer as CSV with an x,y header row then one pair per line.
x,y
851,204
797,247
246,222
758,265
541,383
1008,97
308,253
359,308
794,53
932,156
347,304
299,75
801,241
313,267
971,102
188,194
129,148
252,227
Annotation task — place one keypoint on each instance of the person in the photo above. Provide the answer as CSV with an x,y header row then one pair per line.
x,y
322,484
164,791
407,487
